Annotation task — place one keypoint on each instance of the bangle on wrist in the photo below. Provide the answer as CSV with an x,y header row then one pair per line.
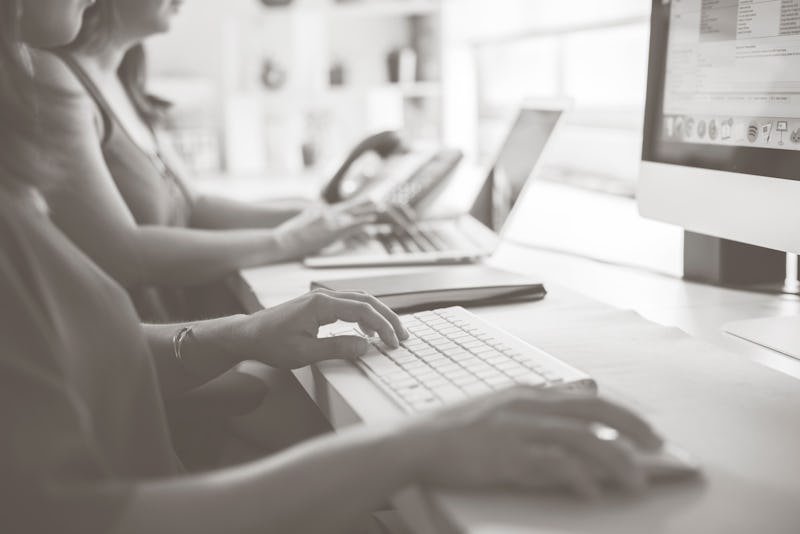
x,y
177,343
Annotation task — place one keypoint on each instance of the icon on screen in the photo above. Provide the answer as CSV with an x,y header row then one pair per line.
x,y
752,132
688,128
669,126
701,129
712,130
766,131
678,131
782,126
727,129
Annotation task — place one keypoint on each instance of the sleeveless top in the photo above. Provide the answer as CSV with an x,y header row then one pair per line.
x,y
81,410
154,193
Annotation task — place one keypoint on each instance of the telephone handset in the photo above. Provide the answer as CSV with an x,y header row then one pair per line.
x,y
382,144
411,179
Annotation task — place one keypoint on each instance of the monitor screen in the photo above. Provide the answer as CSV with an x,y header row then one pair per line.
x,y
724,86
518,156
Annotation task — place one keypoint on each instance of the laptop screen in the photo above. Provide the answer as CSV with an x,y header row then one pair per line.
x,y
520,152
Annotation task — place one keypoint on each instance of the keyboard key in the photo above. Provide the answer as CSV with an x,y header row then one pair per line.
x,y
479,388
433,357
499,382
434,383
402,383
380,364
428,403
459,374
495,358
465,380
450,330
508,365
460,355
450,394
530,379
427,351
416,367
414,343
448,368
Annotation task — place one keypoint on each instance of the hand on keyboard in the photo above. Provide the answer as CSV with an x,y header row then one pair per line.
x,y
286,336
319,226
529,439
451,355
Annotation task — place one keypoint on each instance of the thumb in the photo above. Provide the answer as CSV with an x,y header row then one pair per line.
x,y
344,347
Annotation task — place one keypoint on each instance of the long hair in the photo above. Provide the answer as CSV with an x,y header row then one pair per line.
x,y
18,124
98,25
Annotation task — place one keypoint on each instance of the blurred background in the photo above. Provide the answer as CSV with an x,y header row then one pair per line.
x,y
274,93
259,81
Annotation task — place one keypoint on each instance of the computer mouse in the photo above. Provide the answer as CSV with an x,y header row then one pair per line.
x,y
666,462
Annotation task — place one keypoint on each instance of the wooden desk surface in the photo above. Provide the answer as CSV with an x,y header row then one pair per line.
x,y
740,418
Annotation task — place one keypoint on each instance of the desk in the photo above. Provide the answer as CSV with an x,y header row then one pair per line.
x,y
752,457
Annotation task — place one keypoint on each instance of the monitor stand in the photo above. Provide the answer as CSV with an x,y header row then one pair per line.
x,y
781,334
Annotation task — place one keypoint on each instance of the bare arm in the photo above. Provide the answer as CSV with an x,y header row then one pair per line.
x,y
519,438
89,209
214,212
325,486
212,348
219,213
87,206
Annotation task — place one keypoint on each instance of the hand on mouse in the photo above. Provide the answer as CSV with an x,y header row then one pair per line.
x,y
526,438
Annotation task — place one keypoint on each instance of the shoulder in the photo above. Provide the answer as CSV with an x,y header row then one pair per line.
x,y
51,71
64,105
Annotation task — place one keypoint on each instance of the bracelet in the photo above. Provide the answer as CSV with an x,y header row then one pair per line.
x,y
177,341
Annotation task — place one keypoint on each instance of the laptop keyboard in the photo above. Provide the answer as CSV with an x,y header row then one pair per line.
x,y
403,240
398,240
452,355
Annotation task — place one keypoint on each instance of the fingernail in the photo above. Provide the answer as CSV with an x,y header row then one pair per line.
x,y
404,333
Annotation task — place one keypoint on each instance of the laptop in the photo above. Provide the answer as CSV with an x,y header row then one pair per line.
x,y
469,237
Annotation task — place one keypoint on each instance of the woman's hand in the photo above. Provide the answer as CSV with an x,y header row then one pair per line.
x,y
286,336
321,225
529,439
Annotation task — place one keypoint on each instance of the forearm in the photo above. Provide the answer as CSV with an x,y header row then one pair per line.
x,y
219,213
207,352
185,257
324,485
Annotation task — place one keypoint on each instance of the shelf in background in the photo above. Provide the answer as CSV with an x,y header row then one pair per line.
x,y
408,90
384,8
288,101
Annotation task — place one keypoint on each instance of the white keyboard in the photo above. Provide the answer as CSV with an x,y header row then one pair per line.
x,y
451,354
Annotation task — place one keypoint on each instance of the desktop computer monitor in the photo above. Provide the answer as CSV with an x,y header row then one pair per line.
x,y
721,150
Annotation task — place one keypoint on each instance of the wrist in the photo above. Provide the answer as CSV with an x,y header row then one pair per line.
x,y
279,244
220,343
419,444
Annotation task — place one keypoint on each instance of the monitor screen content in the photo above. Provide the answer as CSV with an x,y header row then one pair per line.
x,y
733,73
515,162
724,86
